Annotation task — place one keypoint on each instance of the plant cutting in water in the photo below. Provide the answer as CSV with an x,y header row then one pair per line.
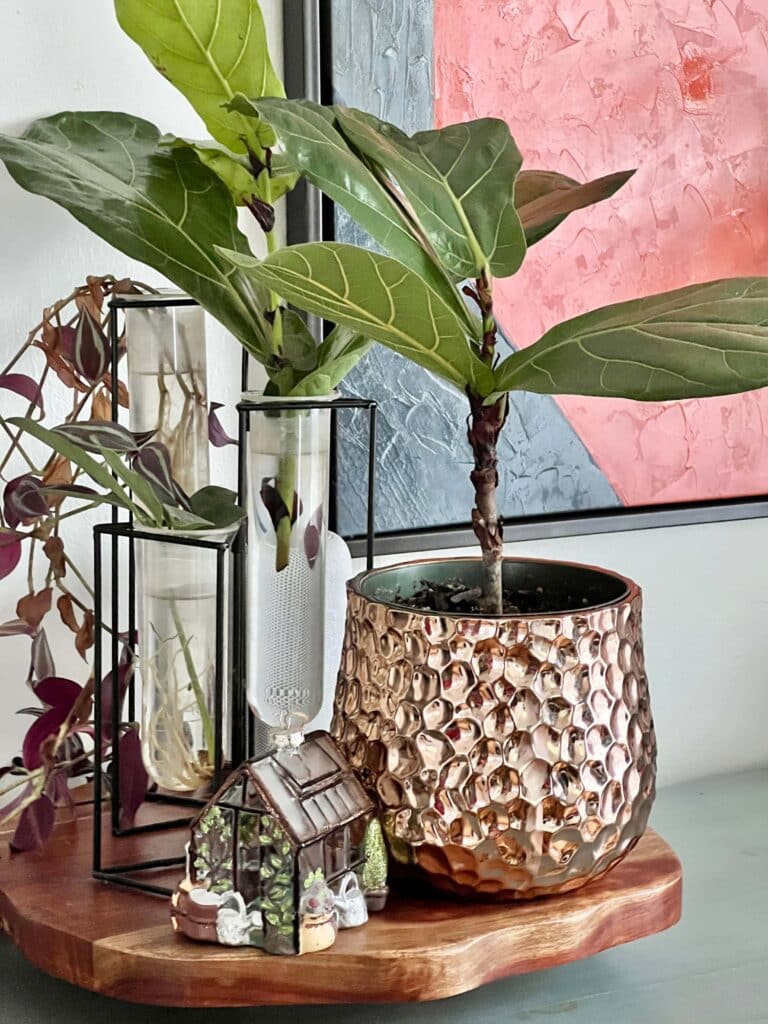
x,y
453,211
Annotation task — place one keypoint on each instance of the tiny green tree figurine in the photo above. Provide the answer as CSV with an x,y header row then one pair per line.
x,y
374,878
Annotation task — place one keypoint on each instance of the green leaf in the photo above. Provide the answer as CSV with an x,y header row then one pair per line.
x,y
156,204
141,488
315,147
545,198
707,339
97,472
341,351
460,183
298,347
218,505
235,171
378,297
210,50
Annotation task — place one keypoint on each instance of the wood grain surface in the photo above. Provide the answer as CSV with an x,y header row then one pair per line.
x,y
424,946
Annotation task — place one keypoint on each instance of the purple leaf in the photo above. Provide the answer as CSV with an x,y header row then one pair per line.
x,y
91,355
10,551
312,536
58,692
124,675
41,662
42,729
275,505
57,789
92,435
141,437
216,433
133,777
35,826
24,500
16,627
153,463
263,212
65,342
24,386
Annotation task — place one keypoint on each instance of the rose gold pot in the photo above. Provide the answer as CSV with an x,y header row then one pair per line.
x,y
514,756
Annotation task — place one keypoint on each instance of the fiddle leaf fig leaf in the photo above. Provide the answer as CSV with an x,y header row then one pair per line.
x,y
459,181
377,297
209,54
706,339
545,198
314,146
236,173
157,204
339,353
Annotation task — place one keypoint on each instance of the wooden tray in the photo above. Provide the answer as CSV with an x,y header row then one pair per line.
x,y
119,942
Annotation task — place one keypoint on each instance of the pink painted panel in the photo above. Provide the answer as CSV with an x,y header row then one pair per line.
x,y
679,89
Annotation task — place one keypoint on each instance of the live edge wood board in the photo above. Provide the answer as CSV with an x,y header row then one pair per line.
x,y
119,943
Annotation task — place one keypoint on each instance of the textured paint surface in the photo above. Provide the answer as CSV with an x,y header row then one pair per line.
x,y
382,61
679,89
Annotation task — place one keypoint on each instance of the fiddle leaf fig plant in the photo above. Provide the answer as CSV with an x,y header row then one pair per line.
x,y
451,207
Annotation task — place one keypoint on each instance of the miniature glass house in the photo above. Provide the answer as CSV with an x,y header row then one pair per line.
x,y
271,850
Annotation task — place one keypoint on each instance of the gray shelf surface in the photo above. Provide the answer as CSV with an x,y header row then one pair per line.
x,y
712,968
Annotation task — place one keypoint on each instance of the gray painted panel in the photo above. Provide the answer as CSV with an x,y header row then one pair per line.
x,y
381,55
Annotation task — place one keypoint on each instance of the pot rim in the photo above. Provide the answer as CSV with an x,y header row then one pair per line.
x,y
632,589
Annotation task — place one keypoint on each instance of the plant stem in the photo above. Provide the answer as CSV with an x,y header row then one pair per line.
x,y
194,682
483,430
286,488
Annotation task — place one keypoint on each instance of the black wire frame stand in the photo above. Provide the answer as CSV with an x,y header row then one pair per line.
x,y
225,678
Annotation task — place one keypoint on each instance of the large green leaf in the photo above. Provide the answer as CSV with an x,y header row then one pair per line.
x,y
339,353
157,204
459,181
707,339
210,50
309,136
235,171
377,296
545,198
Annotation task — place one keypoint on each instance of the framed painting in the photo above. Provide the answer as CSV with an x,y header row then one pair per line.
x,y
675,88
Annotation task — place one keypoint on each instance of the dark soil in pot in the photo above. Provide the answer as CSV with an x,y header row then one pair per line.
x,y
530,588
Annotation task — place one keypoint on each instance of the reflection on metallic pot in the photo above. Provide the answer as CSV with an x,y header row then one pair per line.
x,y
514,756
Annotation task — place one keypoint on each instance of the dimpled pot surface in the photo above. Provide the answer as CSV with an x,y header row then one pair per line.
x,y
513,756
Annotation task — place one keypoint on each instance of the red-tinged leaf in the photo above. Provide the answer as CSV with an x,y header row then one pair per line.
x,y
133,777
65,342
62,369
57,473
41,662
153,463
35,826
275,505
34,607
24,501
10,551
122,390
93,435
101,405
84,636
124,676
66,608
16,627
312,536
53,549
97,291
58,692
42,729
24,386
86,302
216,433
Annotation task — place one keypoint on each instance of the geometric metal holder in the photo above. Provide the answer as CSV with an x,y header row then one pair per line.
x,y
122,536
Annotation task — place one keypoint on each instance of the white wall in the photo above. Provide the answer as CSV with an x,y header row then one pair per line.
x,y
705,589
73,56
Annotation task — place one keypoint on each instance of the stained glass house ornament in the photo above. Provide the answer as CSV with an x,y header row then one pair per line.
x,y
277,857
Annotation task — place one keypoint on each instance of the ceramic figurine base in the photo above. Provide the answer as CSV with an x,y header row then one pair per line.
x,y
120,943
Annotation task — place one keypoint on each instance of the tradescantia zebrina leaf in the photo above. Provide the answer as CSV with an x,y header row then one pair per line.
x,y
707,339
545,198
157,204
309,136
459,181
377,296
210,50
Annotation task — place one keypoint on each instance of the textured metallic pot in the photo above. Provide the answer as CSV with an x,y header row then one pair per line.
x,y
514,756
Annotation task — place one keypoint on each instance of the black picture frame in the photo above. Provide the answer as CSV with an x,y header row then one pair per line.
x,y
307,45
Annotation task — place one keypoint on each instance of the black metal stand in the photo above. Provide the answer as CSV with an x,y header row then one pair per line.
x,y
225,677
